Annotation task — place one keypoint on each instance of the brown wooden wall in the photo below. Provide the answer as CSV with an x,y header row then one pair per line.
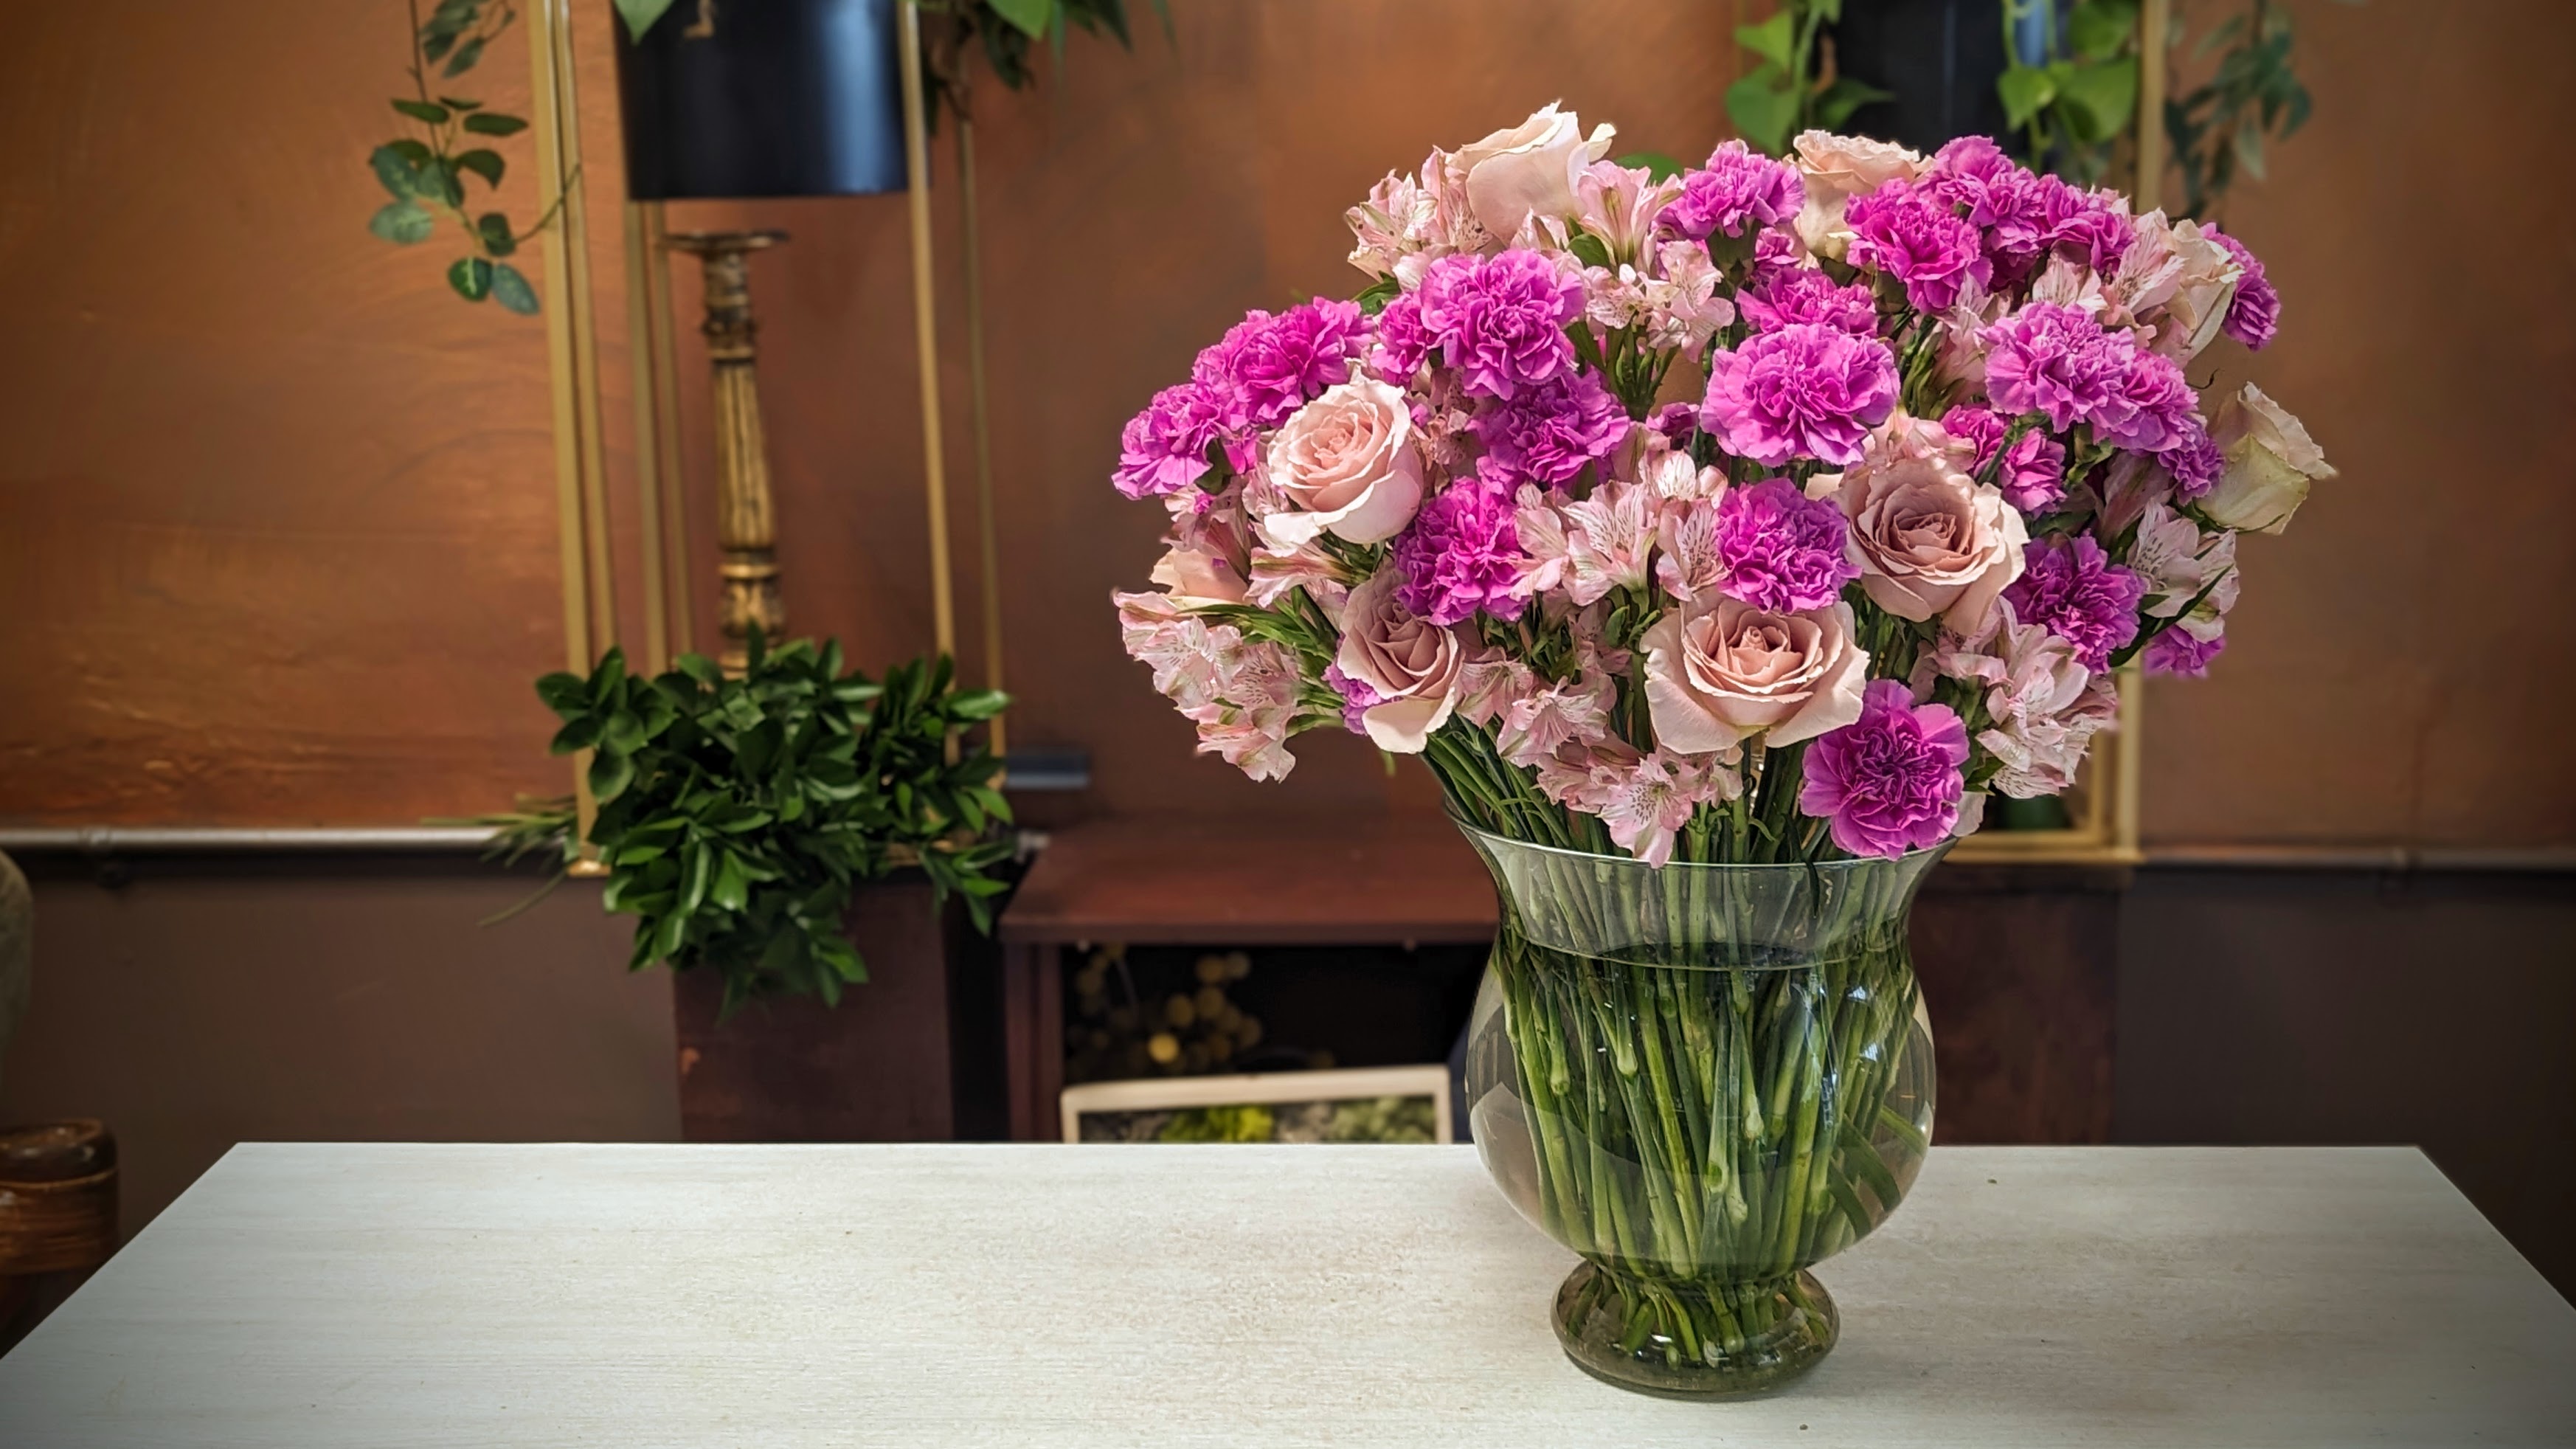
x,y
277,530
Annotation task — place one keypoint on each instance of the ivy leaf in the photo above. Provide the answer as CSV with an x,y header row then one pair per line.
x,y
512,290
464,58
2101,99
1775,39
1032,17
1764,107
493,123
472,279
639,16
435,115
2025,91
402,223
2099,29
1835,104
483,162
460,107
397,170
494,229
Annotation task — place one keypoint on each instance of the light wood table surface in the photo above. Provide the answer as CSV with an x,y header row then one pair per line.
x,y
994,1297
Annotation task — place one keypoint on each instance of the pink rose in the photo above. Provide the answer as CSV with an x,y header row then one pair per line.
x,y
1413,664
1836,169
1344,464
1717,674
1530,169
1929,539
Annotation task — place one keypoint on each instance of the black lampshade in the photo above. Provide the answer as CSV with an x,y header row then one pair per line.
x,y
1941,58
746,98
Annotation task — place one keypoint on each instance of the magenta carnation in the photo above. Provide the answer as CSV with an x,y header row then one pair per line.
x,y
2085,226
2255,313
1970,158
2053,360
1461,553
1781,296
2070,587
1401,343
1549,430
2032,474
2177,651
1500,320
1910,236
1164,449
1274,364
2153,407
1358,697
1676,421
1740,189
2195,462
1889,781
1806,390
1781,550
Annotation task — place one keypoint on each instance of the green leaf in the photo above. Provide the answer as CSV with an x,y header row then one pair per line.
x,y
512,290
2100,29
1654,163
1835,104
425,111
483,162
494,229
460,107
464,58
2025,91
403,223
609,776
1032,17
396,170
639,15
493,123
1588,249
564,693
1775,39
472,279
2102,99
1764,108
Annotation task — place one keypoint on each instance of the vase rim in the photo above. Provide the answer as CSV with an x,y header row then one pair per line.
x,y
1855,863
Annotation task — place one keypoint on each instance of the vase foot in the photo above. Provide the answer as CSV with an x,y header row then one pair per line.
x,y
1692,1340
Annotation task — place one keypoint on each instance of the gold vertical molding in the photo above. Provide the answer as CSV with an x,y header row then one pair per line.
x,y
986,521
649,481
662,359
2154,25
580,492
746,516
925,328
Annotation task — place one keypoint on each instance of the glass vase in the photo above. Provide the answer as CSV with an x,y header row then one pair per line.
x,y
1704,1079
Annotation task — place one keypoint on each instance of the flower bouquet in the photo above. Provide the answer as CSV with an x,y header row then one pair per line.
x,y
1721,540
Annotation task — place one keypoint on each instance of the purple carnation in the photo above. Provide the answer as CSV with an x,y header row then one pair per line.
x,y
1276,363
2011,207
1780,296
1908,235
1500,320
2153,407
2195,462
1461,553
1805,390
1782,551
1676,421
2176,651
1740,189
2255,313
1970,158
2070,587
1358,697
1550,430
2052,360
1402,343
2033,472
1889,781
2084,226
1164,449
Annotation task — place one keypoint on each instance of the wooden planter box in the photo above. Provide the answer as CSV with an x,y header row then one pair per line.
x,y
913,1055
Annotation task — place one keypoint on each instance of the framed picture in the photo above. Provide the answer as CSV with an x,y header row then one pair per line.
x,y
1360,1104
